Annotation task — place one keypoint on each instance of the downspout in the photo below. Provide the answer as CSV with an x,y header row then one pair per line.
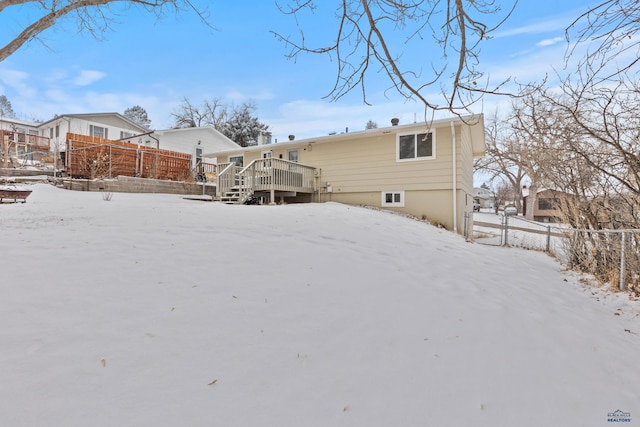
x,y
57,149
455,178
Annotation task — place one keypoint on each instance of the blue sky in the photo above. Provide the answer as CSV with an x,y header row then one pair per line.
x,y
155,63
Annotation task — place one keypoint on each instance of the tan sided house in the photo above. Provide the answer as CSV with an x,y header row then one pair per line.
x,y
419,169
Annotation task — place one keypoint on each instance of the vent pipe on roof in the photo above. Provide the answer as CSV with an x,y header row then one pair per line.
x,y
292,137
395,121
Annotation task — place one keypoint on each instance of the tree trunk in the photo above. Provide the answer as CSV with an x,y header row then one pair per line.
x,y
531,200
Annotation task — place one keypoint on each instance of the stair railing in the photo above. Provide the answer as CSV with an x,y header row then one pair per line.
x,y
227,177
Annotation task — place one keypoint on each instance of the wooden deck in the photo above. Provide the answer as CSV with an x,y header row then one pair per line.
x,y
271,176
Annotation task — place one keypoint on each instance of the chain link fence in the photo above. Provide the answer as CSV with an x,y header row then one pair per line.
x,y
611,255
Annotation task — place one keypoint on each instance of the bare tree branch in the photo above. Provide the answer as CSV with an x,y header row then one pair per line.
x,y
364,42
609,33
92,16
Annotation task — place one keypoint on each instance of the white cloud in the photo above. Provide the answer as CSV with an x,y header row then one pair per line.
x,y
550,42
549,24
87,77
18,82
235,95
13,77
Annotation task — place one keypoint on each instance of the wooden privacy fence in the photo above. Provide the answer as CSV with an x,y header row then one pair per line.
x,y
90,157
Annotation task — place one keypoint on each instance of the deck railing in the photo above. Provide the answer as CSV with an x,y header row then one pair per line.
x,y
275,175
33,142
264,175
202,169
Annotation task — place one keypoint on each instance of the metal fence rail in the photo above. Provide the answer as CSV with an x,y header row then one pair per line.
x,y
610,254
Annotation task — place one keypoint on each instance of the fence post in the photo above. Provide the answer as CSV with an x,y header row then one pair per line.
x,y
506,230
623,244
466,220
548,238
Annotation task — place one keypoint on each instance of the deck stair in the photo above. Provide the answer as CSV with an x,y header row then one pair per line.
x,y
231,196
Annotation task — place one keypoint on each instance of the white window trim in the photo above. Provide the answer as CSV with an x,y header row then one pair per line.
x,y
104,129
433,148
386,204
297,154
238,155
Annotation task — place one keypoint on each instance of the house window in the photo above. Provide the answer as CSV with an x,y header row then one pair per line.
x,y
124,135
416,146
547,204
51,133
98,131
292,156
57,131
238,160
393,199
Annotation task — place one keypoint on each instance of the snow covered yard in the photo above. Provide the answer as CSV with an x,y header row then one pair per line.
x,y
155,310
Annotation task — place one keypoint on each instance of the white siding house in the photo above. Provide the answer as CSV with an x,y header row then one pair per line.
x,y
194,141
100,125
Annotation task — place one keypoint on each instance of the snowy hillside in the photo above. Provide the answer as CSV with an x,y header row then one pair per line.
x,y
152,310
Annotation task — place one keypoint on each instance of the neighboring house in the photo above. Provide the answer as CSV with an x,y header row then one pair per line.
x,y
424,171
113,126
546,205
483,197
193,141
24,140
21,126
20,143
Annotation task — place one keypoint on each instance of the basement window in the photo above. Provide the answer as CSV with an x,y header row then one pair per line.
x,y
393,199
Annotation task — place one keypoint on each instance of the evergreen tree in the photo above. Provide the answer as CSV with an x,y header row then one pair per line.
x,y
138,115
242,127
6,110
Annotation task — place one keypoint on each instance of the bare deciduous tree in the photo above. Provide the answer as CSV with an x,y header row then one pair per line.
x,y
236,123
92,16
608,32
503,193
502,160
446,33
581,139
209,113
